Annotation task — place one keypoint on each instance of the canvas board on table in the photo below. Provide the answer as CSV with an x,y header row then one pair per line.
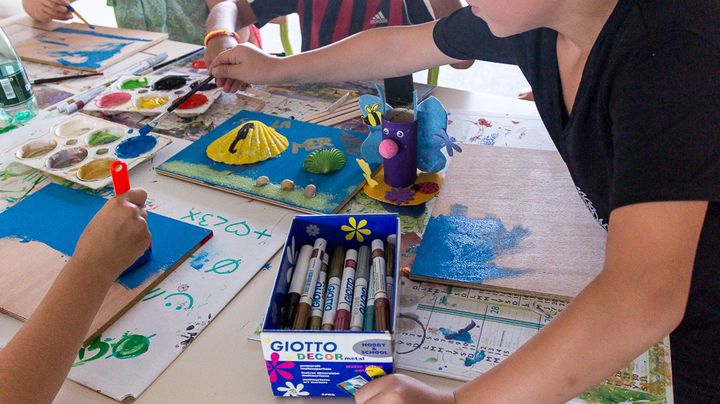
x,y
76,46
40,233
511,219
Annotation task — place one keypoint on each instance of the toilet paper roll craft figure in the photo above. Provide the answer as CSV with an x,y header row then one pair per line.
x,y
405,141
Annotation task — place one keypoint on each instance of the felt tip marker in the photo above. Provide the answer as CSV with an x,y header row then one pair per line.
x,y
369,322
342,318
332,294
390,270
302,316
296,285
80,101
382,304
319,295
357,313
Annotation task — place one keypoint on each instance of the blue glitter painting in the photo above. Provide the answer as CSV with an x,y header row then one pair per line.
x,y
459,248
56,216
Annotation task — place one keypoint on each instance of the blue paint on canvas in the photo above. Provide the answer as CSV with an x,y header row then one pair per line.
x,y
98,34
332,189
89,58
459,248
56,216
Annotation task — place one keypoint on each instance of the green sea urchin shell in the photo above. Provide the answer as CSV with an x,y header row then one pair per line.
x,y
325,161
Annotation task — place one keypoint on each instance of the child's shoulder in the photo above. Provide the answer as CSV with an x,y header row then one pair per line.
x,y
660,18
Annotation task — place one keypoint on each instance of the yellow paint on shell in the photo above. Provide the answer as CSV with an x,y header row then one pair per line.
x,y
378,192
95,170
151,102
261,143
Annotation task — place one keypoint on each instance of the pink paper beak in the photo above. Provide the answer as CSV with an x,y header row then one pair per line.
x,y
388,148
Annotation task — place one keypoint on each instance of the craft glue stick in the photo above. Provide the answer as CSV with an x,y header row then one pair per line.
x,y
302,316
296,285
121,184
318,299
342,318
369,322
382,305
357,313
390,270
333,288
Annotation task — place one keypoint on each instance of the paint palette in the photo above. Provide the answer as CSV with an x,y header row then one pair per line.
x,y
153,94
81,149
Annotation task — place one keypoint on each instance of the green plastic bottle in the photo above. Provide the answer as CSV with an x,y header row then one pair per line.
x,y
17,102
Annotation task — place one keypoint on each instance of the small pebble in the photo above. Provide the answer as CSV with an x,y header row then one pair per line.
x,y
287,185
262,181
310,191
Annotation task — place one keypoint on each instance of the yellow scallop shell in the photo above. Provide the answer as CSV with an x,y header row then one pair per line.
x,y
249,143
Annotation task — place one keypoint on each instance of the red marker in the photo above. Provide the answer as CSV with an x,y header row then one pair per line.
x,y
121,183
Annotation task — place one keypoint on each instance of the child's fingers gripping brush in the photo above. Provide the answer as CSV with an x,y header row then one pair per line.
x,y
121,183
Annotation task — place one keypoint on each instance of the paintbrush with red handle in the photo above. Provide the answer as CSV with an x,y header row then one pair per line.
x,y
121,183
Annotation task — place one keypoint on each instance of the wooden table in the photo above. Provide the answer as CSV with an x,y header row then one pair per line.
x,y
222,365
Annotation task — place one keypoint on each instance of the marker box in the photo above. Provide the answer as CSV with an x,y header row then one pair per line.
x,y
319,363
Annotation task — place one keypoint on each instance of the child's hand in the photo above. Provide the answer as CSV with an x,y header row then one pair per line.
x,y
397,388
46,10
116,237
218,45
242,64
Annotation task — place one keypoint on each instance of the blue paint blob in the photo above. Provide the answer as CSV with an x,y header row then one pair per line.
x,y
56,216
89,58
199,260
461,248
135,146
462,335
479,355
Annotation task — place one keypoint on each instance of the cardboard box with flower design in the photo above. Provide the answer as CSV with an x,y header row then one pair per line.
x,y
328,363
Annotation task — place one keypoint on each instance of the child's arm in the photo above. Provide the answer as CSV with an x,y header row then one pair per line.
x,y
377,53
230,15
46,10
638,299
34,364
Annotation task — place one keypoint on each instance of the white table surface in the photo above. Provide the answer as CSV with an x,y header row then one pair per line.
x,y
222,365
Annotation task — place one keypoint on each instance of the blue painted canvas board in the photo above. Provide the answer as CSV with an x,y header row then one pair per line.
x,y
510,220
77,46
57,215
333,190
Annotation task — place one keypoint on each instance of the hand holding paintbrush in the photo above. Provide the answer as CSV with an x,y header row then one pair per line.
x,y
152,124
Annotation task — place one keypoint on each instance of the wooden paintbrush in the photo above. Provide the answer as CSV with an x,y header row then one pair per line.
x,y
152,124
72,10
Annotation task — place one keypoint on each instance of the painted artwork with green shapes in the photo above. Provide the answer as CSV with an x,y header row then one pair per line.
x,y
331,190
128,346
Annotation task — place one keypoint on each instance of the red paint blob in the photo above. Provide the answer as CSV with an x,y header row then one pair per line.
x,y
195,101
112,100
199,64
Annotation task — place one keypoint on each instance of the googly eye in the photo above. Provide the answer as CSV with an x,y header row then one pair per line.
x,y
386,131
400,134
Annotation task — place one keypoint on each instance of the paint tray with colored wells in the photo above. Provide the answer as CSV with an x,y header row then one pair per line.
x,y
153,94
81,149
